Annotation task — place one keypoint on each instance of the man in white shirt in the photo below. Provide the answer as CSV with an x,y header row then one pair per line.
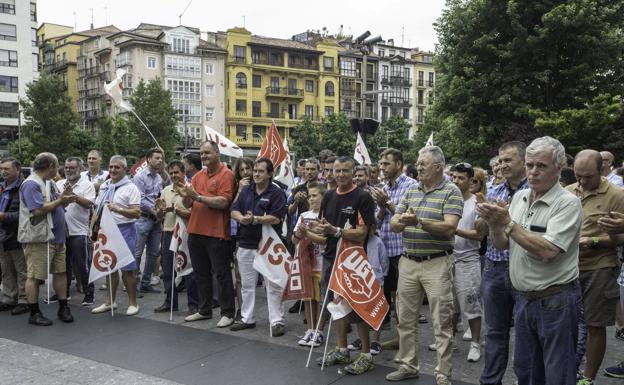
x,y
78,245
95,174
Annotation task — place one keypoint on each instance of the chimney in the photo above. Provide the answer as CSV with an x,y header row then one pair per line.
x,y
391,42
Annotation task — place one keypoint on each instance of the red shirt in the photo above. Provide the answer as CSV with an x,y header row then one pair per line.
x,y
206,220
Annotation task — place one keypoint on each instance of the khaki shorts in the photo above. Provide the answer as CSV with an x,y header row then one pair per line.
x,y
36,255
601,294
316,286
467,289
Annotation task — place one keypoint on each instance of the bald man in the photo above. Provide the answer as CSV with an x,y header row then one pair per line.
x,y
608,171
598,269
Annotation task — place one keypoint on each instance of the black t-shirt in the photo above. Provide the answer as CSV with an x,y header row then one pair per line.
x,y
356,207
303,206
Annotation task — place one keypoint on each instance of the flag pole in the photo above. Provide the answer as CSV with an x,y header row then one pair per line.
x,y
110,290
48,278
148,130
326,342
267,282
173,274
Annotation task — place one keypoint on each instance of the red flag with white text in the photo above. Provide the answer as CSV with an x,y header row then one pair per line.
x,y
273,147
299,284
271,260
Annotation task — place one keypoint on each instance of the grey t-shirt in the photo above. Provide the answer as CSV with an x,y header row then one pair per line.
x,y
467,250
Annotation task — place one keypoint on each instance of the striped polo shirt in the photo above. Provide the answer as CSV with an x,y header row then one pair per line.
x,y
445,198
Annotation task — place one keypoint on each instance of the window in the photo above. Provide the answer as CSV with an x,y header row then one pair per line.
x,y
241,80
309,85
421,78
384,72
240,54
241,131
181,45
8,84
328,63
241,105
209,113
8,110
384,114
183,66
210,90
33,11
430,98
184,89
406,73
329,111
35,62
420,117
382,52
151,62
256,109
421,97
7,6
256,81
309,111
329,89
431,76
8,58
391,52
188,112
406,113
8,32
209,69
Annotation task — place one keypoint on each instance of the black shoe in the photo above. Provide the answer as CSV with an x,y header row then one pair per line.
x,y
39,320
65,315
164,308
295,307
88,299
53,299
21,308
6,306
240,325
148,289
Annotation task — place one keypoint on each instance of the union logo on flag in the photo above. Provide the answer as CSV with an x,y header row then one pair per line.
x,y
273,147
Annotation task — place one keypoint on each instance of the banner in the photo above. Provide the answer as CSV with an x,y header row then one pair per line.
x,y
179,246
299,284
226,146
114,90
272,147
361,153
285,173
110,252
354,280
430,140
139,166
272,257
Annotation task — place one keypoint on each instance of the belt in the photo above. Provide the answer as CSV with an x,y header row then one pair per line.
x,y
550,290
422,258
149,215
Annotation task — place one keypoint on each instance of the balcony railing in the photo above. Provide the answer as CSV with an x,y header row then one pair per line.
x,y
397,101
398,80
89,71
239,59
304,66
284,92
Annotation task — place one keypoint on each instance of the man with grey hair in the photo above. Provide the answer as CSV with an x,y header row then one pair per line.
x,y
541,228
427,215
608,171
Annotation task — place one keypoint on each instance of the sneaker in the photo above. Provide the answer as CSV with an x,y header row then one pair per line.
x,y
392,344
155,280
132,310
432,347
375,348
88,300
240,325
306,338
355,345
441,379
585,381
474,354
467,335
422,319
318,341
21,308
52,299
39,320
361,365
616,371
619,334
335,357
103,287
103,308
225,321
197,317
402,373
278,330
64,314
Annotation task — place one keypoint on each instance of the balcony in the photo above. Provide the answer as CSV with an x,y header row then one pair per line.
x,y
396,101
303,66
396,80
93,92
57,66
280,92
270,61
89,71
239,59
248,140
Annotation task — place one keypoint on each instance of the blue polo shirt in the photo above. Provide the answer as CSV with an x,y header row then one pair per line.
x,y
272,201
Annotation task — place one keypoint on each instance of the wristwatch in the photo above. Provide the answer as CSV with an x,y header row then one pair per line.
x,y
595,242
338,233
509,228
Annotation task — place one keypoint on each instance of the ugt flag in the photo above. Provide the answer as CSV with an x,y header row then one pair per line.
x,y
272,257
114,90
226,146
353,279
110,252
299,284
285,173
179,246
361,153
272,147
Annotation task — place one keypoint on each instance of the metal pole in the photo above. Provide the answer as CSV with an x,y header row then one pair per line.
x,y
185,135
19,133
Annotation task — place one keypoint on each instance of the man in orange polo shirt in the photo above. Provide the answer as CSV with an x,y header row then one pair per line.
x,y
210,196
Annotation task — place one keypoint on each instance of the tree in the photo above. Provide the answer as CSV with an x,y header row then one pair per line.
x,y
502,65
394,133
152,103
333,132
305,139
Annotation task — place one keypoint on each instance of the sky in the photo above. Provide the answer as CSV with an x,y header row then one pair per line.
x,y
407,21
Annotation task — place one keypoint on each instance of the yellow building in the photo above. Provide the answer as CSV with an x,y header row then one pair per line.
x,y
424,82
276,79
59,48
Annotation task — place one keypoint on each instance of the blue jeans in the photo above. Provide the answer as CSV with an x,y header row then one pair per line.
x,y
498,303
148,235
546,337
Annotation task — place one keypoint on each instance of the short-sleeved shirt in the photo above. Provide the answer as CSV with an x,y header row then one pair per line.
x,y
605,199
467,250
272,201
174,199
615,179
557,216
392,240
443,199
76,216
505,193
150,185
125,196
98,178
355,206
31,195
206,220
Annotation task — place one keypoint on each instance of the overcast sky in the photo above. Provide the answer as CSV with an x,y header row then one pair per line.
x,y
410,21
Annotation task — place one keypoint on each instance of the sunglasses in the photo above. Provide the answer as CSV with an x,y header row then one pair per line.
x,y
463,167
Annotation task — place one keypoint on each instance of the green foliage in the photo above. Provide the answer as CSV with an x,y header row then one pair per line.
x,y
305,139
28,151
394,133
152,103
333,132
517,69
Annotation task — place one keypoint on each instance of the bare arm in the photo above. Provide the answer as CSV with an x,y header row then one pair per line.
x,y
132,212
533,243
444,227
475,234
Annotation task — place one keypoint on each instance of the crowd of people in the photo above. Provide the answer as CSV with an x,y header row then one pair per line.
x,y
533,246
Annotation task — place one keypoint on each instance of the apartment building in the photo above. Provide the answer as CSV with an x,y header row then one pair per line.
x,y
355,103
424,85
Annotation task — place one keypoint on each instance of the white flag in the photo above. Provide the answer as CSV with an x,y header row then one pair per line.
x,y
226,146
110,252
430,140
272,257
114,90
361,153
339,308
179,246
285,173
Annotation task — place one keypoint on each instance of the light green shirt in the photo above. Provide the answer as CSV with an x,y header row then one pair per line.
x,y
557,216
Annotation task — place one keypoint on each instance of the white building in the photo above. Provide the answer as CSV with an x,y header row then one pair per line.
x,y
18,61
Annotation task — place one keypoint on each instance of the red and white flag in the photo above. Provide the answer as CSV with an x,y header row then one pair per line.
x,y
114,90
272,257
299,284
353,279
339,307
139,166
285,173
226,146
110,252
361,153
179,246
273,147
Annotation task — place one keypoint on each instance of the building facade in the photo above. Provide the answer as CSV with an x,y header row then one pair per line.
x,y
424,86
354,102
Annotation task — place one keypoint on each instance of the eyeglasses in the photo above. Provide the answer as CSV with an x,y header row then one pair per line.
x,y
463,167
